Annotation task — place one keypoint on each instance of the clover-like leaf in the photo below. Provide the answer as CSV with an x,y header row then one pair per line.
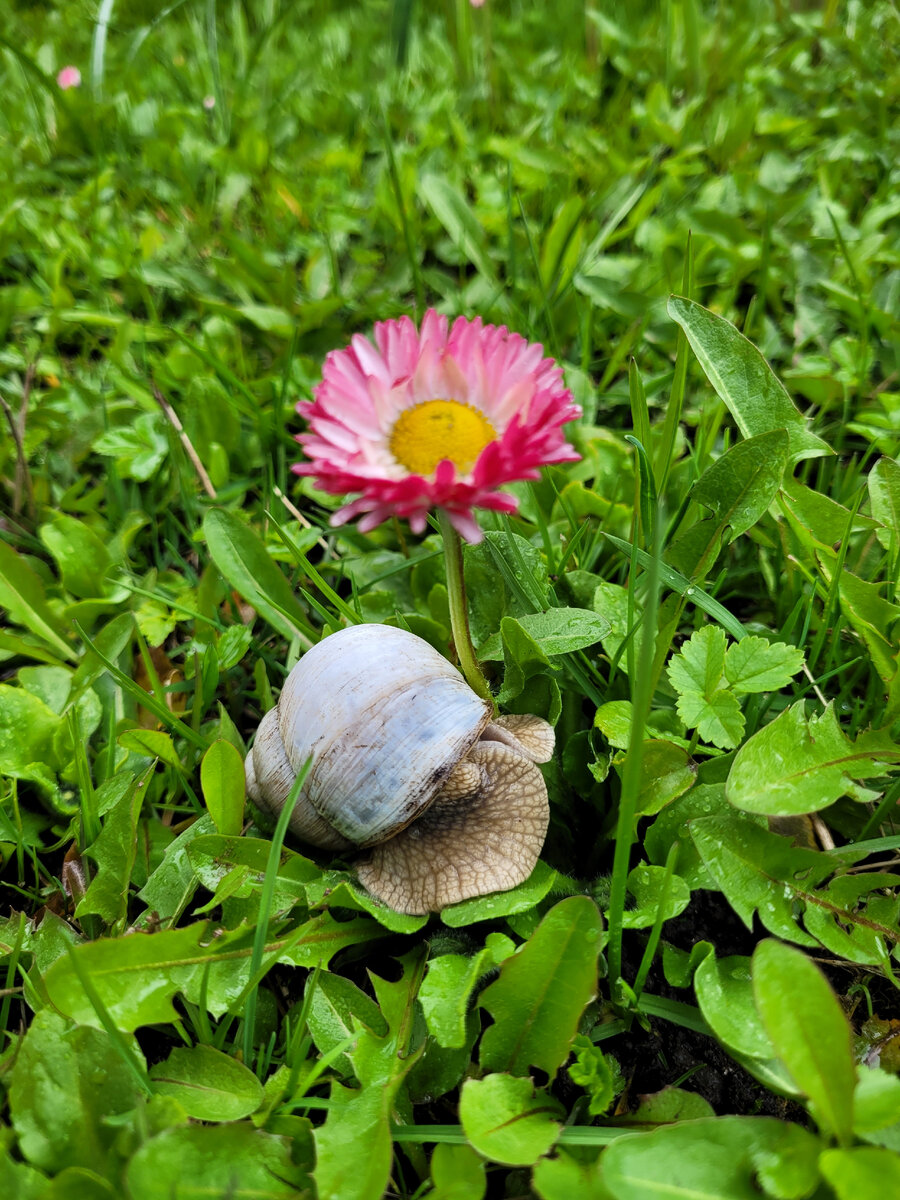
x,y
755,665
700,666
716,717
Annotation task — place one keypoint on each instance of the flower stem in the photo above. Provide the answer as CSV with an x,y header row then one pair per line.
x,y
459,615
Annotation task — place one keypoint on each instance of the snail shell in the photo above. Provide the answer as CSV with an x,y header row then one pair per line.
x,y
405,759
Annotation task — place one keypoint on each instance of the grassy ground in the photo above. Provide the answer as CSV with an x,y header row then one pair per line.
x,y
232,191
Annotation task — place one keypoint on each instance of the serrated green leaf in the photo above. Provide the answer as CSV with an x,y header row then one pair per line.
x,y
717,717
798,765
114,852
809,1031
448,986
542,991
700,664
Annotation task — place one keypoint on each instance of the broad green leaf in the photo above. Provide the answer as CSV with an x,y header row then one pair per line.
x,y
151,743
81,556
542,991
137,977
873,617
110,641
719,1158
673,824
818,521
556,631
245,563
22,595
507,1120
884,495
876,1102
209,1085
337,889
222,780
564,1178
672,1104
197,1162
863,1173
67,1085
740,486
540,883
452,210
724,991
756,665
645,884
753,394
29,730
448,984
23,1182
666,773
457,1173
798,765
353,1147
809,1031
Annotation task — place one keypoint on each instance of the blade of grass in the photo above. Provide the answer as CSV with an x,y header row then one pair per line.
x,y
265,906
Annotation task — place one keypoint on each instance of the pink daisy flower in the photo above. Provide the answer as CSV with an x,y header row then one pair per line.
x,y
69,77
434,418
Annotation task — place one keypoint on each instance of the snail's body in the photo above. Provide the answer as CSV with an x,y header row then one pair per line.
x,y
406,760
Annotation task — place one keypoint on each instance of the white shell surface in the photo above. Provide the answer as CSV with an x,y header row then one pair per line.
x,y
385,718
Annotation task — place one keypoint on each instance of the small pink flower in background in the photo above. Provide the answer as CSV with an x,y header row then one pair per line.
x,y
434,418
209,102
477,3
69,77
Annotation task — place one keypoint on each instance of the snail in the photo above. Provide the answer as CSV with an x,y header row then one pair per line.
x,y
407,763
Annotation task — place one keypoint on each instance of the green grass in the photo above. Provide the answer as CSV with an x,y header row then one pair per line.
x,y
234,190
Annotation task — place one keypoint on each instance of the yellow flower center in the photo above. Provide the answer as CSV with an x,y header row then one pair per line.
x,y
437,429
